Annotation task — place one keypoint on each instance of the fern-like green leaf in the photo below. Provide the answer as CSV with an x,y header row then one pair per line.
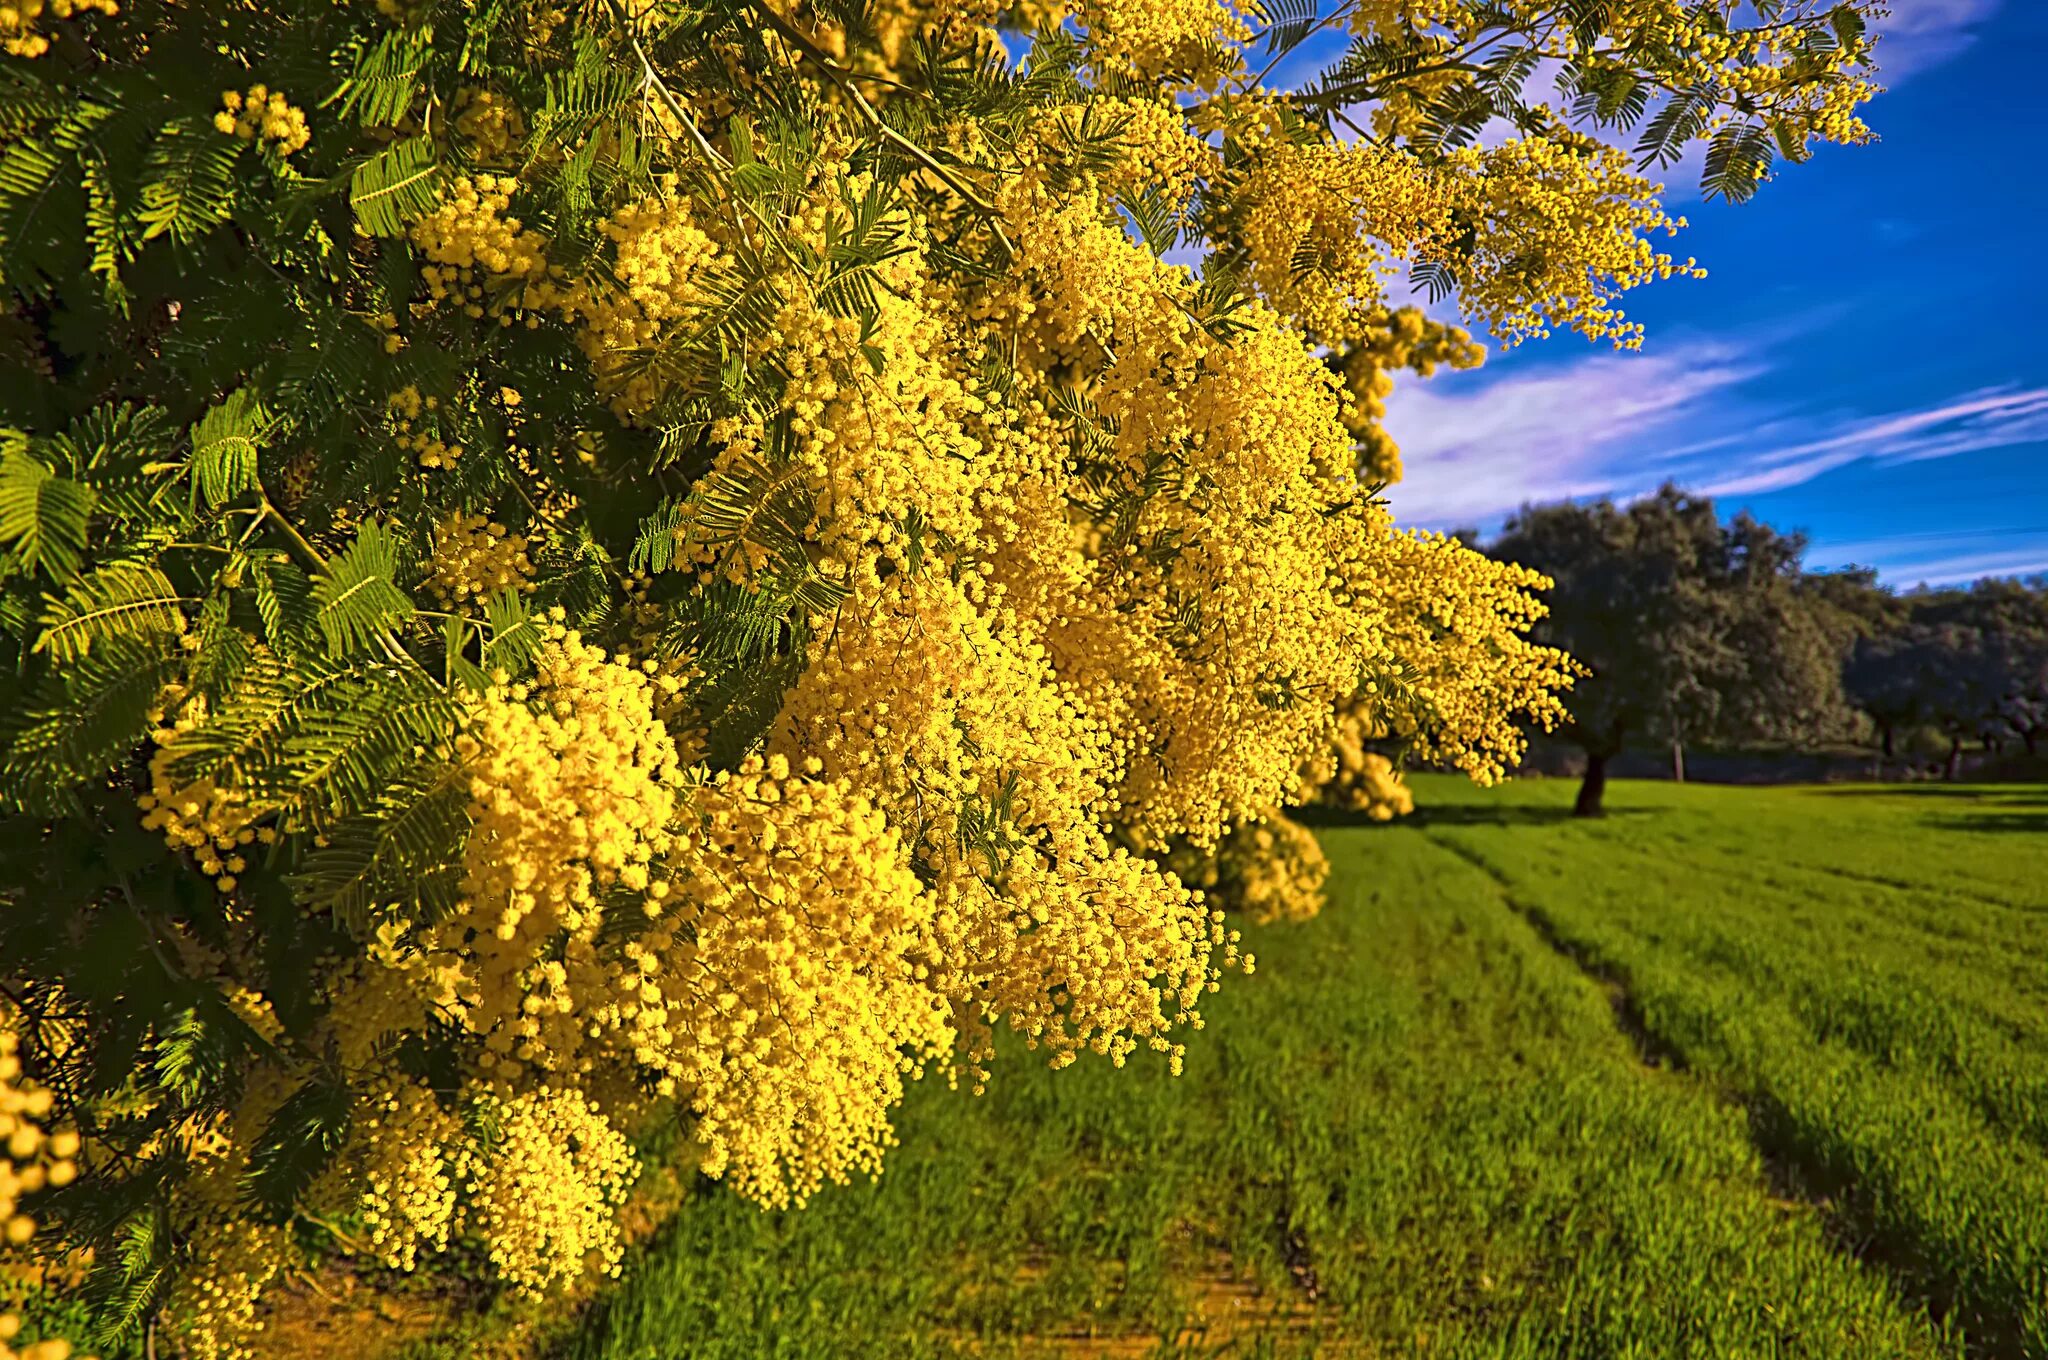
x,y
284,602
1738,158
298,1143
119,600
225,444
654,548
44,518
401,851
107,232
357,596
385,81
398,184
128,1284
1672,127
189,183
514,632
319,736
29,170
80,720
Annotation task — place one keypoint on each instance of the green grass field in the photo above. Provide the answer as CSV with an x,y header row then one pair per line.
x,y
1735,1072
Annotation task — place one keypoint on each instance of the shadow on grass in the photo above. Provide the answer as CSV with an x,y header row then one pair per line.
x,y
2010,795
1462,814
2000,823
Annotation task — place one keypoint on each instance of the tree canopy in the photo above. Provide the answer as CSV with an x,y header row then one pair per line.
x,y
1693,629
1971,663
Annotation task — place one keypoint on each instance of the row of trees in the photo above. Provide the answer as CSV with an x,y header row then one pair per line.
x,y
1699,631
1971,664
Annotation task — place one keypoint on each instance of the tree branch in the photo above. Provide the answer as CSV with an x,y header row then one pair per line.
x,y
833,72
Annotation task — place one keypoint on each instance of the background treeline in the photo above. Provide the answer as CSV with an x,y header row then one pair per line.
x,y
1700,632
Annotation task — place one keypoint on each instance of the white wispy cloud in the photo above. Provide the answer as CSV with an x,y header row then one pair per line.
x,y
1992,418
1925,33
1939,559
1479,447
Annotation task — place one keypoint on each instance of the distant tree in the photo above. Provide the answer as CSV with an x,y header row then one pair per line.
x,y
1954,672
1977,663
1883,675
1694,630
2011,620
1870,621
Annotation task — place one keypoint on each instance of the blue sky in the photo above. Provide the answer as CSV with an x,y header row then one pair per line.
x,y
1864,360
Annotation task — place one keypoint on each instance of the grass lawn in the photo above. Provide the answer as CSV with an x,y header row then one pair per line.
x,y
1735,1072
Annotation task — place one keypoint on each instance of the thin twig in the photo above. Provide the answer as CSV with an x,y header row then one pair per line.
x,y
298,540
653,77
823,61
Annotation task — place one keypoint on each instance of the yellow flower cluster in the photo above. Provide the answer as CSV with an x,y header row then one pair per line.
x,y
473,243
212,822
1365,781
1271,869
18,20
1759,62
573,793
1559,236
787,987
263,115
475,556
545,1186
1384,18
408,411
492,264
216,1304
1187,44
1536,233
413,1150
1408,340
1466,678
661,255
1159,150
1326,225
30,1160
775,974
491,123
1236,605
1274,868
33,1159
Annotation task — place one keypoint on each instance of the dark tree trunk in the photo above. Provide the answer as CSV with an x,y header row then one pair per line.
x,y
1678,761
1594,788
1885,730
1954,768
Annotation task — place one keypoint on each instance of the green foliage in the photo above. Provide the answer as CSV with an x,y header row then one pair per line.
x,y
44,518
356,597
298,1143
1972,663
225,444
396,185
1694,630
120,601
87,718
